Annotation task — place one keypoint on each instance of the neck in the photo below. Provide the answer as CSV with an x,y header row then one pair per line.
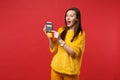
x,y
72,27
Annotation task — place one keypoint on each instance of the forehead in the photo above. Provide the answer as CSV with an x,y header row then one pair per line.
x,y
71,12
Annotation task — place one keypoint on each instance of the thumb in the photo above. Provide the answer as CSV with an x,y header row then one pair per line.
x,y
53,31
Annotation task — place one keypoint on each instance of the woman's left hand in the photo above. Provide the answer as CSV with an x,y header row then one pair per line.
x,y
56,35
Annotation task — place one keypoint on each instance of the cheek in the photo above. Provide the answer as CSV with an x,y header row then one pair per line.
x,y
73,20
66,18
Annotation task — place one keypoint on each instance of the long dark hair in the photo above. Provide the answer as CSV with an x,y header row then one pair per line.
x,y
78,27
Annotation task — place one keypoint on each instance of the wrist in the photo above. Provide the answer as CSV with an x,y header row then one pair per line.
x,y
49,35
62,43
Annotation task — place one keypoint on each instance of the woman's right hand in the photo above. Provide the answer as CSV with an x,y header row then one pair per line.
x,y
44,29
49,35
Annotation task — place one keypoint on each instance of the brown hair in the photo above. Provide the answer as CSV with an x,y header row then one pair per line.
x,y
78,27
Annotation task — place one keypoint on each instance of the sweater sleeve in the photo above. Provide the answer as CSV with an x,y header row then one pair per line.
x,y
78,44
55,47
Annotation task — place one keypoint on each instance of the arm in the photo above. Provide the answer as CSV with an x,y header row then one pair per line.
x,y
52,41
67,48
75,48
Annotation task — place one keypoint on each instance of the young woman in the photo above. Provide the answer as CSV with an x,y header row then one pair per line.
x,y
68,46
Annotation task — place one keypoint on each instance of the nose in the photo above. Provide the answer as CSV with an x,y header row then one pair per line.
x,y
67,18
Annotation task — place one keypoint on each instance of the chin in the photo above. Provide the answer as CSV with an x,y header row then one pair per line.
x,y
69,26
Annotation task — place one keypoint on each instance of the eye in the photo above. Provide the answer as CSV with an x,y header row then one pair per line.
x,y
71,16
67,15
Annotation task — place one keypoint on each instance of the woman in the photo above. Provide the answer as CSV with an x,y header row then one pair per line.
x,y
68,46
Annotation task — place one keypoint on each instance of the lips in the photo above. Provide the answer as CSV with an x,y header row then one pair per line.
x,y
68,22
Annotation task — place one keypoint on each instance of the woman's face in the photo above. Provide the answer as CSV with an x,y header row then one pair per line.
x,y
71,18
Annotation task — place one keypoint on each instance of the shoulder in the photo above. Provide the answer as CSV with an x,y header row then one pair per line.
x,y
61,29
82,34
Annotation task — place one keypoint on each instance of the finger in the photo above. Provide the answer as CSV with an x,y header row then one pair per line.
x,y
44,29
53,31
